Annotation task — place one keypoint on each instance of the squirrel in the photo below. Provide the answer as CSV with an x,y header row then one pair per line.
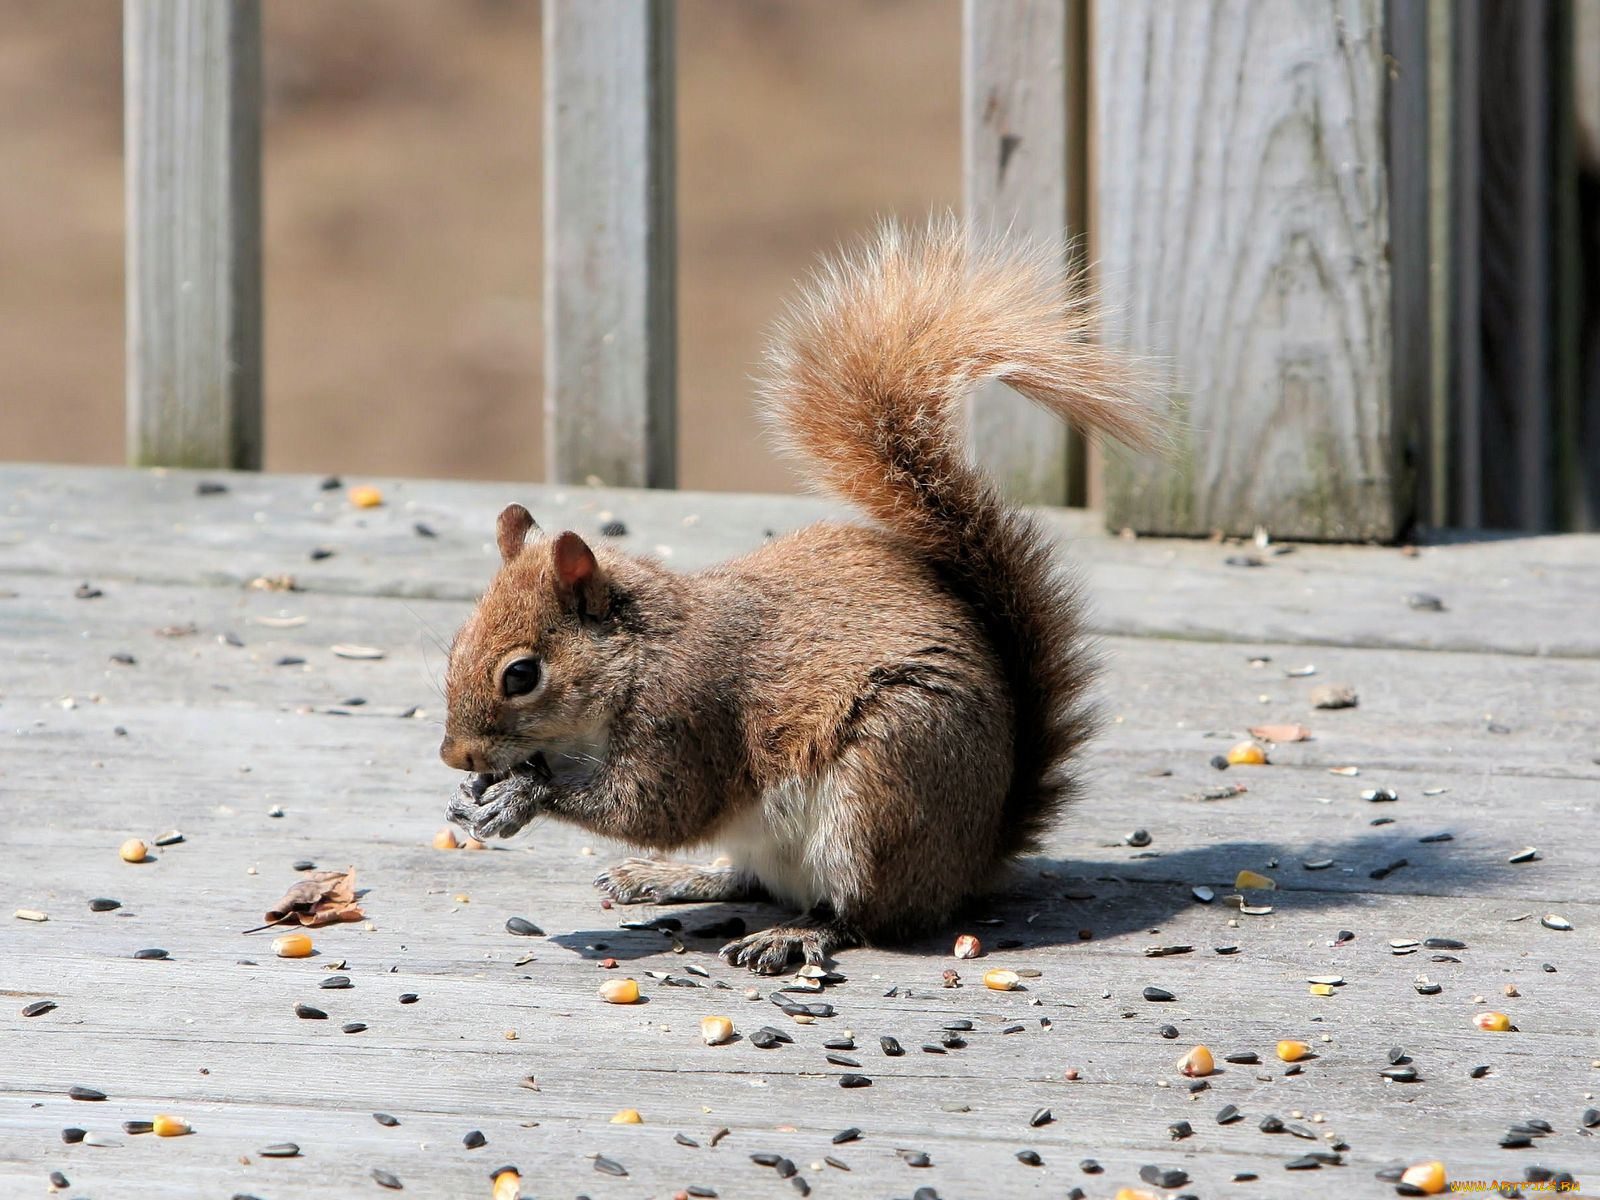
x,y
869,721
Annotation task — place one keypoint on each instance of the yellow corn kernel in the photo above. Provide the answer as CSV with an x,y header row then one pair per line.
x,y
507,1186
1001,980
1292,1051
1251,880
968,946
292,945
165,1126
716,1030
1494,1022
1135,1194
445,839
133,851
473,844
1247,754
628,1116
1320,989
1197,1063
620,991
366,497
1426,1177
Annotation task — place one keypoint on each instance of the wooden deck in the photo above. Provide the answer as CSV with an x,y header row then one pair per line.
x,y
1481,717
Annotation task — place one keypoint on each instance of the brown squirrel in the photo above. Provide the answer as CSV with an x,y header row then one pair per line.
x,y
868,720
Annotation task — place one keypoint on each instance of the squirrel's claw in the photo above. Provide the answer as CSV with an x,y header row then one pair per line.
x,y
501,811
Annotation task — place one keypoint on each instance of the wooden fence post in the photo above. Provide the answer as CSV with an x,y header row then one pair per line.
x,y
192,93
1023,125
1260,229
610,252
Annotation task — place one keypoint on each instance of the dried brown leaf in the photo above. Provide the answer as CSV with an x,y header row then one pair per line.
x,y
1281,733
321,898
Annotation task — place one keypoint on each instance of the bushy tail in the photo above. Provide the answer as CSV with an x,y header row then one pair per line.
x,y
864,381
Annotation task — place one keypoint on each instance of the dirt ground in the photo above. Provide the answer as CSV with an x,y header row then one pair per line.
x,y
403,217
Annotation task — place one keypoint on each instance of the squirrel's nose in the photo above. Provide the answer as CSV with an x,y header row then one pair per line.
x,y
454,755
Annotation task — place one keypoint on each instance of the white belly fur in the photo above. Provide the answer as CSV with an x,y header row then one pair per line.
x,y
787,840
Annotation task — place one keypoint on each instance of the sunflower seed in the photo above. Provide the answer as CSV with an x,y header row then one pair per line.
x,y
353,1027
1203,894
846,1135
308,1013
85,1093
607,1166
891,1046
522,927
335,983
1443,943
137,1127
1228,1114
72,1135
280,1150
1041,1116
1552,921
1158,995
387,1179
854,1081
683,1139
386,1120
408,997
842,1060
473,1139
1526,854
1166,1178
38,1008
171,838
154,952
1030,1158
102,904
352,651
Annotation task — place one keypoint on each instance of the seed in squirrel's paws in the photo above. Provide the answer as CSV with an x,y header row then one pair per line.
x,y
620,991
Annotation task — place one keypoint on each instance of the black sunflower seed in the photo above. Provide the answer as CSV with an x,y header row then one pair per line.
x,y
353,1027
334,983
304,864
683,1139
386,1120
387,1179
1168,1031
1397,1055
1030,1158
1228,1114
474,1138
916,1158
1479,1071
1305,1162
408,997
1590,1118
104,904
835,1163
953,1041
38,1008
846,1135
958,1026
842,1060
85,1093
1243,1056
71,1135
607,1166
59,1181
891,1046
1158,995
1167,1178
1300,1131
1090,1166
1041,1116
154,952
522,927
280,1150
766,1159
854,1081
1443,943
307,1012
840,1044
137,1127
1271,1124
785,1168
765,1039
933,1048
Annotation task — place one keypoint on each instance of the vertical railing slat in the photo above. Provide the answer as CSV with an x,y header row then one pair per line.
x,y
610,256
192,92
1023,100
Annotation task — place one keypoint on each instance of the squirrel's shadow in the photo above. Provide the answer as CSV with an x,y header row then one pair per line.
x,y
1052,902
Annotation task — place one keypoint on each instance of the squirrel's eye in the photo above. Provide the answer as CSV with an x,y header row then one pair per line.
x,y
521,677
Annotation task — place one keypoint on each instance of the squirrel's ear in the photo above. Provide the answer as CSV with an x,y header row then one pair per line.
x,y
512,530
578,575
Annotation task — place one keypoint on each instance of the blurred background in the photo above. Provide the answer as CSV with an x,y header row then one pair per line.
x,y
403,214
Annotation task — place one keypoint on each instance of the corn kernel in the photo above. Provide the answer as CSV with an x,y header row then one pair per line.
x,y
292,945
1197,1063
445,839
1135,1194
1494,1022
1247,754
968,946
507,1186
1320,989
716,1030
620,991
473,844
628,1116
1292,1051
165,1126
1251,880
1426,1177
1001,980
133,851
366,497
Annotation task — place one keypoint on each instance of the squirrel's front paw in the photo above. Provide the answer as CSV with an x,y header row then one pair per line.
x,y
498,811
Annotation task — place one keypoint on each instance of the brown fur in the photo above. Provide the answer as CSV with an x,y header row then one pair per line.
x,y
874,718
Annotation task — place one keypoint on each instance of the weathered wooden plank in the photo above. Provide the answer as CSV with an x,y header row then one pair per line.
x,y
192,93
610,243
1247,220
1514,596
1023,129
